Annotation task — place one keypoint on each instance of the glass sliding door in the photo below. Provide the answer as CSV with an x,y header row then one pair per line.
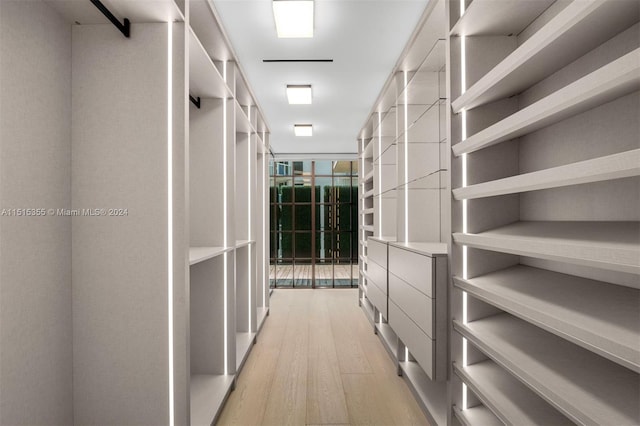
x,y
314,224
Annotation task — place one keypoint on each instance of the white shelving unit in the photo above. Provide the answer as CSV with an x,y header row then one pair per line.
x,y
404,215
165,302
545,225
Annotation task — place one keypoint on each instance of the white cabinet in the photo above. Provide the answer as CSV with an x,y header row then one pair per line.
x,y
418,302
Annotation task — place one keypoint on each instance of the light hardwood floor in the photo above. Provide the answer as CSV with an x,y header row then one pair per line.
x,y
317,362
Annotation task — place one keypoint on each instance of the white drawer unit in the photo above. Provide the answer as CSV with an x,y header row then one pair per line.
x,y
414,304
413,268
421,347
417,283
378,298
377,252
377,275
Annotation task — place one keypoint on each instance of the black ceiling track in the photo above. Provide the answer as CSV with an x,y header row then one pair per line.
x,y
297,60
125,28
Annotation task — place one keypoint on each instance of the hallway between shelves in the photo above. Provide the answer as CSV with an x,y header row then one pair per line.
x,y
318,362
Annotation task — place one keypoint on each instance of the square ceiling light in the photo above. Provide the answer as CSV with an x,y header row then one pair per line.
x,y
303,129
294,18
299,94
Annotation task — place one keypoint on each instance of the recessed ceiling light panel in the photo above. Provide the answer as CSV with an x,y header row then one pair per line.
x,y
303,129
299,94
294,18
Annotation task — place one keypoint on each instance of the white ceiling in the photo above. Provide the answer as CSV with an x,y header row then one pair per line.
x,y
364,38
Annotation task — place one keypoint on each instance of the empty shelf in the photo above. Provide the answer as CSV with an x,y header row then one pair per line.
x,y
367,211
204,79
368,228
611,81
431,394
571,31
584,386
607,245
474,416
510,400
243,243
597,316
243,125
200,254
208,393
368,150
480,17
616,166
244,341
389,339
369,193
368,177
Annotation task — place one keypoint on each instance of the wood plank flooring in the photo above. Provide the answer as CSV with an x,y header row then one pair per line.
x,y
302,274
317,362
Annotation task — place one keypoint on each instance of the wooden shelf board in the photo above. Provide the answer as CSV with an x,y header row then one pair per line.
x,y
600,317
208,394
608,245
480,17
584,386
511,401
616,166
204,79
474,416
244,343
431,395
609,82
200,254
571,32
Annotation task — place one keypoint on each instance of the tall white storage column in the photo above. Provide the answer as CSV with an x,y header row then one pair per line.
x,y
129,269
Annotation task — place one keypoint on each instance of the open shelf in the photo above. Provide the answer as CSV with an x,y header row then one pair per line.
x,y
200,254
244,342
584,386
368,150
369,193
243,125
208,394
368,211
368,177
600,317
389,339
616,166
608,245
261,315
244,243
609,82
431,394
571,31
204,79
480,17
511,401
474,416
368,228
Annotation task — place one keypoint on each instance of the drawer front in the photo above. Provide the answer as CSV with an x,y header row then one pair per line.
x,y
419,344
377,275
377,252
415,269
417,306
378,298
